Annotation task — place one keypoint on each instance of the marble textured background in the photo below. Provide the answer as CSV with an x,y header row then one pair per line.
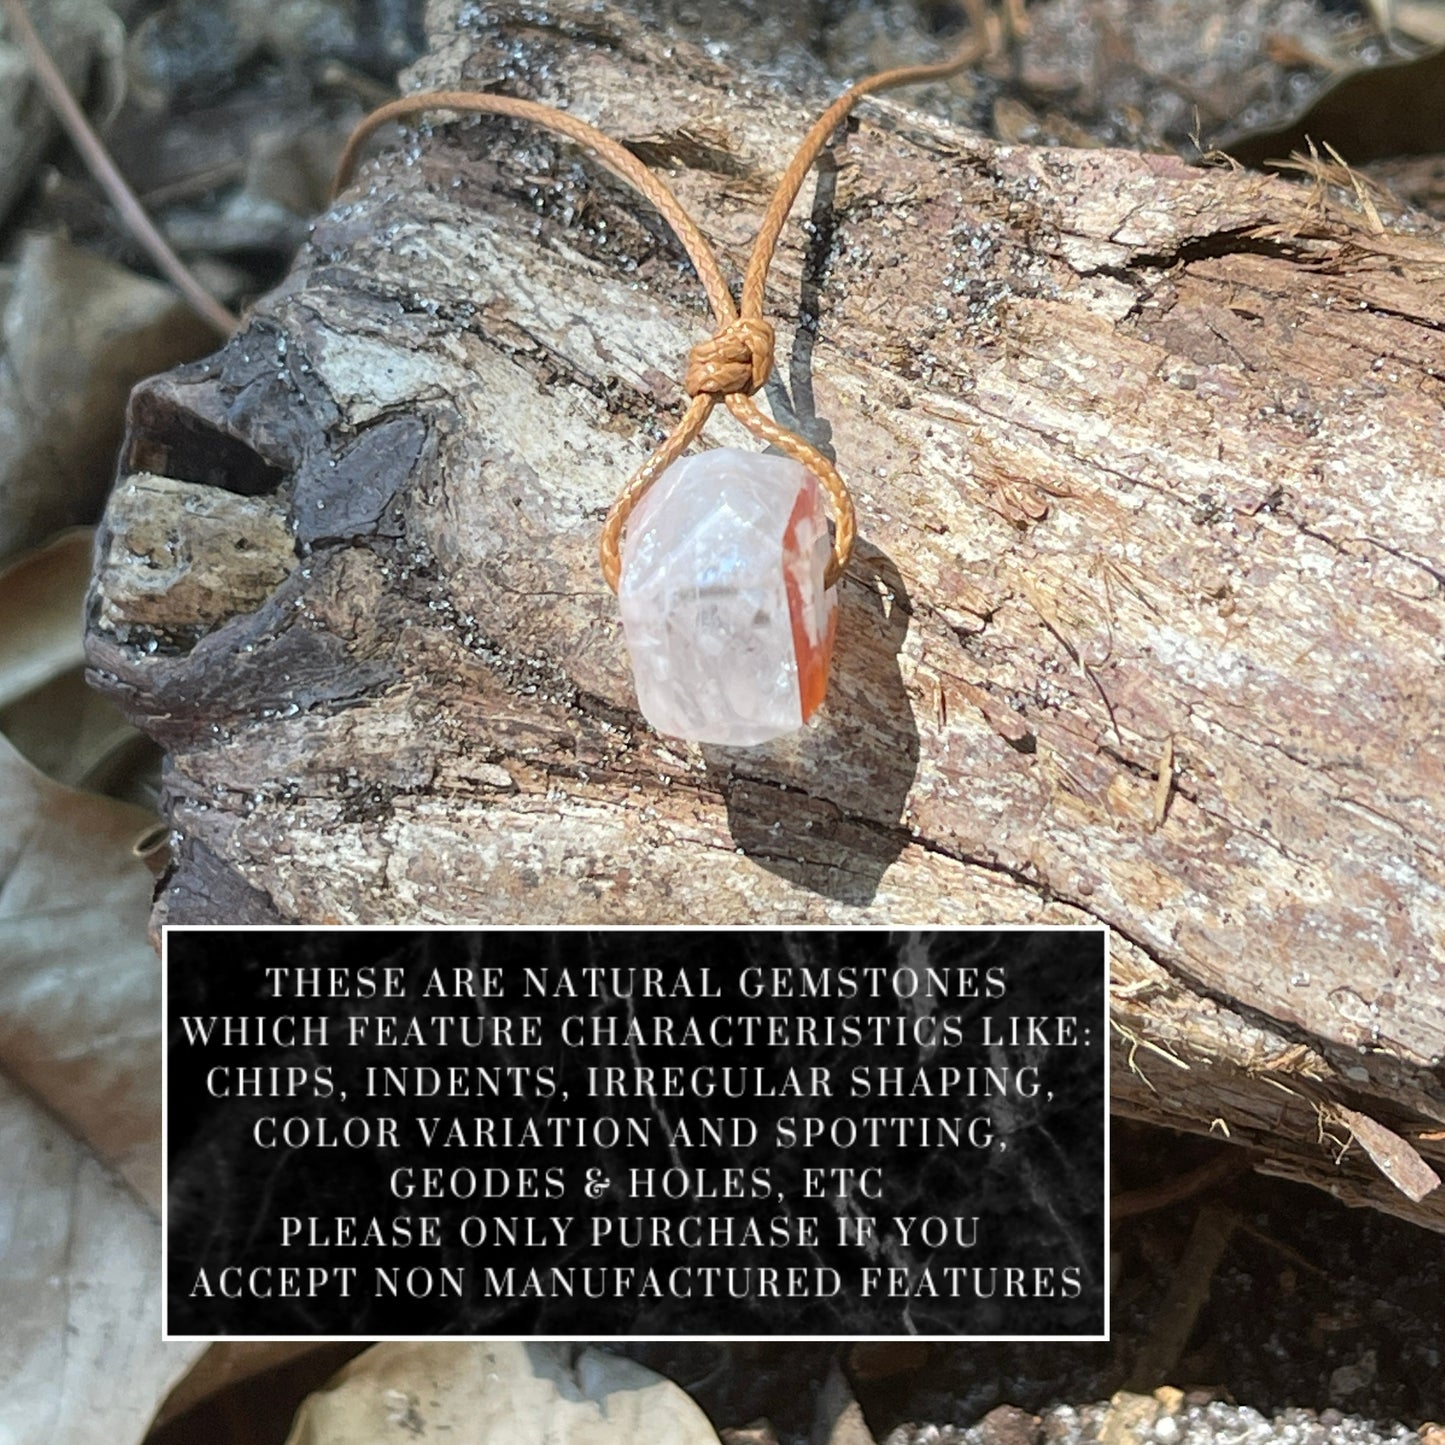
x,y
1041,1198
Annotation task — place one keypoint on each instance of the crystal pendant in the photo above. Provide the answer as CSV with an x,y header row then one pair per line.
x,y
727,619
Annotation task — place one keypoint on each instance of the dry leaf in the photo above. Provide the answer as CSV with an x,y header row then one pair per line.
x,y
1422,20
76,736
79,985
80,1351
1365,114
76,333
68,730
41,595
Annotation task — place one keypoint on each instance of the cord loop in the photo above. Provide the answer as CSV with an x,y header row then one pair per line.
x,y
737,359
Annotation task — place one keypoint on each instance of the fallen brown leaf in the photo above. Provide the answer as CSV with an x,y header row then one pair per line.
x,y
80,1348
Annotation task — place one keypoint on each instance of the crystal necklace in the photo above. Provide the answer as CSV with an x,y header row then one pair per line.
x,y
722,562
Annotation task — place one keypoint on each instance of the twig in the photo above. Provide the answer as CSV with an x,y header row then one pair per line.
x,y
1188,1292
98,160
1224,1165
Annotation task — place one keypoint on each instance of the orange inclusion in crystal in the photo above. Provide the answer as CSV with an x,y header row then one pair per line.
x,y
813,658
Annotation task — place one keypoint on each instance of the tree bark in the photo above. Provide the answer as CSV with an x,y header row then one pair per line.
x,y
1145,627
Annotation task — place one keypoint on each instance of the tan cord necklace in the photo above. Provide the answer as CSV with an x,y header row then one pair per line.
x,y
737,359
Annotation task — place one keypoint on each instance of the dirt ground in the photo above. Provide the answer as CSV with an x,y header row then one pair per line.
x,y
1310,1306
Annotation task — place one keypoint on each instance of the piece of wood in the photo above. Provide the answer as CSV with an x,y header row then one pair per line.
x,y
1148,464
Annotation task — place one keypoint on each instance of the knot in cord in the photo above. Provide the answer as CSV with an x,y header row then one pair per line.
x,y
735,361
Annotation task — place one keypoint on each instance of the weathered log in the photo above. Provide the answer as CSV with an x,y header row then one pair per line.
x,y
1146,626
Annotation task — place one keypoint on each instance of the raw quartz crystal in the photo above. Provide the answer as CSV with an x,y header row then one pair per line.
x,y
728,623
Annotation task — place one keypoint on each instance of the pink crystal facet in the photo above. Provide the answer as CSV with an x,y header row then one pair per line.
x,y
728,623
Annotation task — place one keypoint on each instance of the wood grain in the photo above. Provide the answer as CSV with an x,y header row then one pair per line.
x,y
1145,626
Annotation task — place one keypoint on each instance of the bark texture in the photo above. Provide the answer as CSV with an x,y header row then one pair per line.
x,y
1145,627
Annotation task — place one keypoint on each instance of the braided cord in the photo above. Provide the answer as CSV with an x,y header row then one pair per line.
x,y
737,359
